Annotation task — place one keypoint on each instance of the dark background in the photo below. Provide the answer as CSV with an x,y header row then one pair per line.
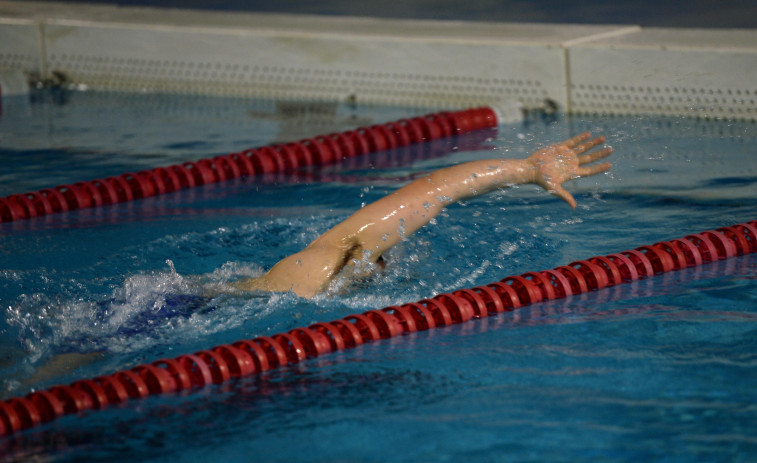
x,y
647,13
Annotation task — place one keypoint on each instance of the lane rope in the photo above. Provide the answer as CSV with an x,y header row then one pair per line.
x,y
248,357
277,158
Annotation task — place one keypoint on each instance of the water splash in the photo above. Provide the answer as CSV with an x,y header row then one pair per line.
x,y
146,311
176,308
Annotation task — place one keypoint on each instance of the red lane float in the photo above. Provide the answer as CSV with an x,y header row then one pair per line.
x,y
285,157
247,357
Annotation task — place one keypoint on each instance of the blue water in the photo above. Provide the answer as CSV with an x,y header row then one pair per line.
x,y
657,370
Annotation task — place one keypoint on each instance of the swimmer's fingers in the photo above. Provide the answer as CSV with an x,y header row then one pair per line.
x,y
563,194
593,170
571,142
595,156
584,147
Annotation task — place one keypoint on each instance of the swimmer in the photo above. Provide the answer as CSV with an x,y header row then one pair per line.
x,y
375,228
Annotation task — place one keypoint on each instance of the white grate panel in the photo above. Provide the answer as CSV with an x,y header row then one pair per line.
x,y
696,73
393,69
275,65
420,63
20,55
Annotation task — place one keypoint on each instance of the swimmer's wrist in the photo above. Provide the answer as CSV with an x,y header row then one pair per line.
x,y
528,172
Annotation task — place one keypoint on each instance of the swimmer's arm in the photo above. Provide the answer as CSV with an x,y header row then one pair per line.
x,y
375,228
305,273
58,366
382,224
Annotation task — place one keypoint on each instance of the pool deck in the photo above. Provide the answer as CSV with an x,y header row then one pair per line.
x,y
611,69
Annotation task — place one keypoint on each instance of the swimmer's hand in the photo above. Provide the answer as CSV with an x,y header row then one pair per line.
x,y
561,162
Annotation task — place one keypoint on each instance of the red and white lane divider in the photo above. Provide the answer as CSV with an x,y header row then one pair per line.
x,y
285,157
248,357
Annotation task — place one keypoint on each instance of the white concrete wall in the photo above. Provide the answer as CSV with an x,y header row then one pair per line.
x,y
608,69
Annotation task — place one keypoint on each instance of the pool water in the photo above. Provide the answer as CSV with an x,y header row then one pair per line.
x,y
660,369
